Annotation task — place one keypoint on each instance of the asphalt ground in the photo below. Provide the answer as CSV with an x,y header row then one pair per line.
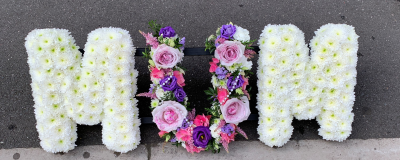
x,y
377,110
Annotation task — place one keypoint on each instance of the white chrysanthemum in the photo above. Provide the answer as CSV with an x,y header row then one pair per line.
x,y
282,73
58,85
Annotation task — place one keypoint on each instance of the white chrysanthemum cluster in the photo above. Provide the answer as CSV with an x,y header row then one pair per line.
x,y
53,59
281,81
333,72
97,89
108,67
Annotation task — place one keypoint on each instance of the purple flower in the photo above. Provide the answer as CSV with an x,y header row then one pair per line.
x,y
235,83
182,42
167,32
201,136
179,94
221,72
151,88
228,129
169,83
173,140
227,31
186,123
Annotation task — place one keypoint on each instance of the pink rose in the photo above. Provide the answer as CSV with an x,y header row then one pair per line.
x,y
202,120
161,133
179,77
222,94
156,73
236,110
166,57
169,116
230,52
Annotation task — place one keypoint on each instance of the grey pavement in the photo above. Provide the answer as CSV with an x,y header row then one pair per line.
x,y
356,149
377,110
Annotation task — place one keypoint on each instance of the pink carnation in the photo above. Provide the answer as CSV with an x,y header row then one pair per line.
x,y
230,52
166,57
236,110
222,94
179,77
169,115
202,120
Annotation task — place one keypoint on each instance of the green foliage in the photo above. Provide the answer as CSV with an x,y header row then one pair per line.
x,y
146,53
155,27
248,44
210,45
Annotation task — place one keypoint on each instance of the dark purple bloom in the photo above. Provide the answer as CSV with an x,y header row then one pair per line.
x,y
227,31
179,94
221,72
169,83
167,32
201,136
234,82
228,129
182,42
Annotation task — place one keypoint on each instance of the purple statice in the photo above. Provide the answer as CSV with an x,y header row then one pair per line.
x,y
228,129
167,32
182,42
179,94
173,140
227,31
151,88
186,123
234,83
221,72
168,83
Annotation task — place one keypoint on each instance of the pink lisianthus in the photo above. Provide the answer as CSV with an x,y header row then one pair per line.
x,y
166,57
156,73
202,120
222,94
150,40
236,110
180,79
229,52
184,134
169,115
161,133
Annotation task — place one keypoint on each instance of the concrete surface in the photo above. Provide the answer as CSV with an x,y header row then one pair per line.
x,y
377,111
356,149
